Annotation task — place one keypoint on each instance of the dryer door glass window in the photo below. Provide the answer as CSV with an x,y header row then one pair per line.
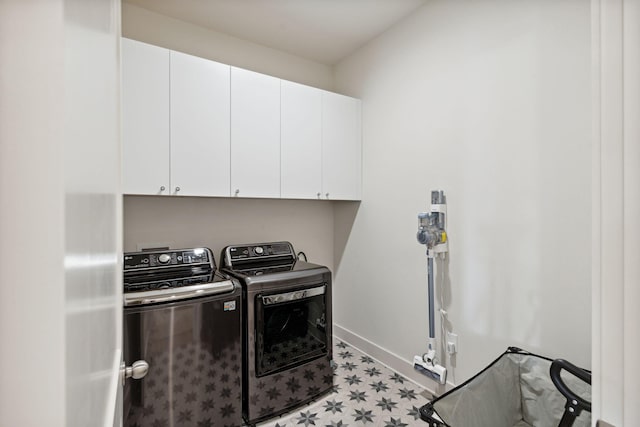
x,y
291,329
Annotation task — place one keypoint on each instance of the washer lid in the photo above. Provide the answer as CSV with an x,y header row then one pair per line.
x,y
177,294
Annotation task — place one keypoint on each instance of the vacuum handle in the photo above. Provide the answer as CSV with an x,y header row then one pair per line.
x,y
575,403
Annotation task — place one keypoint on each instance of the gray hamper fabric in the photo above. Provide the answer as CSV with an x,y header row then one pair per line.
x,y
491,399
515,391
542,403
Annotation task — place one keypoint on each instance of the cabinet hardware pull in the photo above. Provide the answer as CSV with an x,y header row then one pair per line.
x,y
237,192
162,188
177,189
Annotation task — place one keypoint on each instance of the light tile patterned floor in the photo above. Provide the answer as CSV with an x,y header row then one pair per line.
x,y
366,393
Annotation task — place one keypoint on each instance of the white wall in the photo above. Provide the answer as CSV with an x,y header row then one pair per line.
x,y
30,185
60,216
490,102
150,27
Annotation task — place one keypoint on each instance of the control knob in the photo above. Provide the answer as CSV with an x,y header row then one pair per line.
x,y
164,258
259,250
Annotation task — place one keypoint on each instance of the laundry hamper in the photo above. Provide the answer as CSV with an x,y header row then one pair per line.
x,y
518,389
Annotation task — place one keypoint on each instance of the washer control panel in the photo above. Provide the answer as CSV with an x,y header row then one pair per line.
x,y
168,258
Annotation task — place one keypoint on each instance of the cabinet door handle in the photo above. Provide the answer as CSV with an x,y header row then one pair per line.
x,y
177,189
327,195
162,188
237,192
319,195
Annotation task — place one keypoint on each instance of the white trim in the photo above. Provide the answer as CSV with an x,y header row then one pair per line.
x,y
389,359
615,210
631,208
595,213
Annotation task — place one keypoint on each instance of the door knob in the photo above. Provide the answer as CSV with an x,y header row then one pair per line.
x,y
137,370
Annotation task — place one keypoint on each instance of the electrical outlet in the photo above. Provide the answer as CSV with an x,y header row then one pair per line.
x,y
452,343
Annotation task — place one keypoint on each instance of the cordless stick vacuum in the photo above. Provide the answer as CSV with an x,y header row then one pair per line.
x,y
431,232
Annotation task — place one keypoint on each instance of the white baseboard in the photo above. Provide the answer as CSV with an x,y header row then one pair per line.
x,y
389,359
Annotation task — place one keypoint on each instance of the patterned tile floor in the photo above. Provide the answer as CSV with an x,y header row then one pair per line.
x,y
366,393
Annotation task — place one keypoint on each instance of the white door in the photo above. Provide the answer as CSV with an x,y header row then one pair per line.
x,y
616,211
92,214
341,147
145,118
301,141
60,222
255,134
200,126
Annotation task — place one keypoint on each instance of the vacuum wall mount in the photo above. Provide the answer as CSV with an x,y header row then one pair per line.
x,y
432,233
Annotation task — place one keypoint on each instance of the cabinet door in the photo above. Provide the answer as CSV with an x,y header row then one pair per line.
x,y
301,141
341,147
255,134
200,126
145,118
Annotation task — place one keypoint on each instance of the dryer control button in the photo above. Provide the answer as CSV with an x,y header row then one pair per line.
x,y
259,250
164,258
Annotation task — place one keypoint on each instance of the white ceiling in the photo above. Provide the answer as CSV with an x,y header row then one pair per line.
x,y
320,30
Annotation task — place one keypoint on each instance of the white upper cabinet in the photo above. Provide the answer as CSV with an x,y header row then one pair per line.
x,y
301,141
341,147
195,127
255,134
200,126
320,144
145,118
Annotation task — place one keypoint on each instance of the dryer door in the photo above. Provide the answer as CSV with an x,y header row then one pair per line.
x,y
291,328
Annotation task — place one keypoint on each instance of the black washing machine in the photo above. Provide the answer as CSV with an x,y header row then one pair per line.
x,y
184,319
288,337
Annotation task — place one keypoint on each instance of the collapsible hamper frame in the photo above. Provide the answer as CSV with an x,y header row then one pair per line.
x,y
518,389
